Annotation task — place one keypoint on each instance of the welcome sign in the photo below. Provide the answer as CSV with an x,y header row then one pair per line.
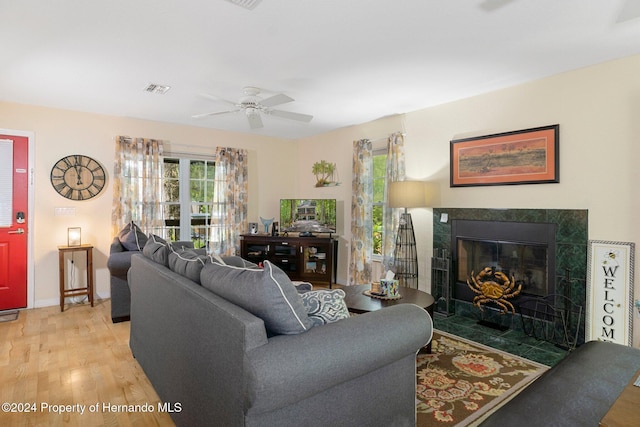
x,y
610,292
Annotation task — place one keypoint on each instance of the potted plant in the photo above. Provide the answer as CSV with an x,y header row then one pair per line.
x,y
323,171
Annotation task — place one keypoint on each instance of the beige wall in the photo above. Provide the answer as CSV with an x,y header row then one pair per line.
x,y
598,109
337,147
59,133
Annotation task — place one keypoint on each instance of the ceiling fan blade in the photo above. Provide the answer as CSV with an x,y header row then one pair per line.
x,y
274,100
255,121
199,116
216,98
630,10
290,115
491,5
247,4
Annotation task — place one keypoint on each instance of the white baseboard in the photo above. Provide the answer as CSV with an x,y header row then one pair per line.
x,y
56,301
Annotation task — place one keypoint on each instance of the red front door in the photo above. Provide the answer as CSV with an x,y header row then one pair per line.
x,y
14,191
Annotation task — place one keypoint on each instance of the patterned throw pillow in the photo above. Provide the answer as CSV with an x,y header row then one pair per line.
x,y
325,306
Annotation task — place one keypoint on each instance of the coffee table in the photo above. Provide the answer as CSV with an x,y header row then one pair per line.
x,y
358,302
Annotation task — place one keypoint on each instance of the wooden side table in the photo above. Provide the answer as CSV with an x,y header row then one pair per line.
x,y
88,290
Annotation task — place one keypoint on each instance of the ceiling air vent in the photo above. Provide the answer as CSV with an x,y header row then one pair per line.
x,y
247,4
155,88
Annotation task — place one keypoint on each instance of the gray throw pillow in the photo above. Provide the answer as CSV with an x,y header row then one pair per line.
x,y
237,261
325,305
187,263
266,293
157,249
132,238
302,286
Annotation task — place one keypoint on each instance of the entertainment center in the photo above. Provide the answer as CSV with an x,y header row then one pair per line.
x,y
309,259
299,250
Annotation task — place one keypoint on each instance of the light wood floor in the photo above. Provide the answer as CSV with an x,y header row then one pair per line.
x,y
77,357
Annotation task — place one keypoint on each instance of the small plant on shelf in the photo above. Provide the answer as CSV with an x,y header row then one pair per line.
x,y
323,171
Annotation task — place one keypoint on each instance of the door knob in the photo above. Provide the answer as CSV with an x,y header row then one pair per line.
x,y
18,231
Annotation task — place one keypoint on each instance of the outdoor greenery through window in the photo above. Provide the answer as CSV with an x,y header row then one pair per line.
x,y
379,177
188,194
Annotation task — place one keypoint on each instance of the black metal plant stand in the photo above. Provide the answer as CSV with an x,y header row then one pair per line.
x,y
405,255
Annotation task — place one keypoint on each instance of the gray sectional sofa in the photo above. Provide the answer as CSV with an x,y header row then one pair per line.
x,y
225,366
129,241
118,264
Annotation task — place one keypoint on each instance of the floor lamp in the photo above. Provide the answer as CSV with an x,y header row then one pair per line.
x,y
406,194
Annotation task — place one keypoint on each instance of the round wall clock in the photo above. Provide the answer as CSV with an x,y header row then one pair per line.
x,y
78,177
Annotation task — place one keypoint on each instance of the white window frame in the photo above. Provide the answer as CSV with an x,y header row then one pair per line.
x,y
184,185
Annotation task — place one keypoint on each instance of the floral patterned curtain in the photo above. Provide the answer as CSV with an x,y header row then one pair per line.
x,y
395,172
137,184
361,213
229,210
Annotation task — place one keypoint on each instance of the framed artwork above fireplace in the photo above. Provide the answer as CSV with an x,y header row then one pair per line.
x,y
529,156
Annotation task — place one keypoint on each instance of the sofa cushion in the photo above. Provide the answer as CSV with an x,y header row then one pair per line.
x,y
325,305
266,293
187,263
157,249
132,238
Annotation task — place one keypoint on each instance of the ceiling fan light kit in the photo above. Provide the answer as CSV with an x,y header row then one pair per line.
x,y
254,106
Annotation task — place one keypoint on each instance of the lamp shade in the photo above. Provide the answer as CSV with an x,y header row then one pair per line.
x,y
407,194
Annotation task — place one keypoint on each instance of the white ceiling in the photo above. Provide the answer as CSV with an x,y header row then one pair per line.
x,y
343,61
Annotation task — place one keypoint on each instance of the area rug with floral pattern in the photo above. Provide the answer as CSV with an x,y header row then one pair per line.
x,y
461,381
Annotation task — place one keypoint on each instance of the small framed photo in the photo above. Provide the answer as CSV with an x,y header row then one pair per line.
x,y
610,292
529,156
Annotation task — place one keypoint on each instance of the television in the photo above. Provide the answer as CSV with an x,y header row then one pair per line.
x,y
308,216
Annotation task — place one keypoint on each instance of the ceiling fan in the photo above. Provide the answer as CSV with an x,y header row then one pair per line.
x,y
253,106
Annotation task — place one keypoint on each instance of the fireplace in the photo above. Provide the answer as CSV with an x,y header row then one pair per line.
x,y
544,249
522,251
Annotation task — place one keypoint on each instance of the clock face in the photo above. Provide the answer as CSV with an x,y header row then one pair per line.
x,y
78,177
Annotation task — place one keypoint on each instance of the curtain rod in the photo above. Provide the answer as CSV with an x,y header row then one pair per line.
x,y
385,138
174,144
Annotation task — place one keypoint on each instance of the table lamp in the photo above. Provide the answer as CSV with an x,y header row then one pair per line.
x,y
74,236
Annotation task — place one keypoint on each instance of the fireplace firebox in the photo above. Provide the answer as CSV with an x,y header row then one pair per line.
x,y
524,251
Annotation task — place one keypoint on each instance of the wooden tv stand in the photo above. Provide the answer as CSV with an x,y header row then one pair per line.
x,y
309,259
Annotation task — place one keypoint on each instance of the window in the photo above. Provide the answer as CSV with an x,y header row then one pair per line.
x,y
379,177
188,194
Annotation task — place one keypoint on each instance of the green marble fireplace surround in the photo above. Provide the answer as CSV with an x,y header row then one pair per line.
x,y
571,245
